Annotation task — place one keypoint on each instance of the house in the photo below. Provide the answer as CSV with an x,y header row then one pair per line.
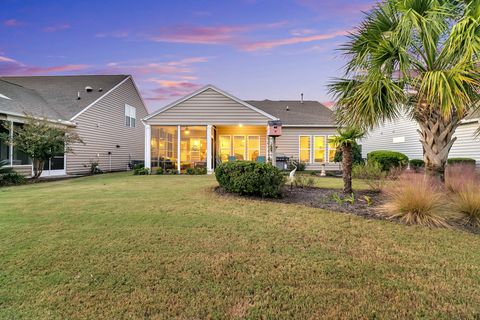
x,y
211,126
104,110
401,135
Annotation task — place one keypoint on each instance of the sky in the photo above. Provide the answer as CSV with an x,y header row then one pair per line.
x,y
253,49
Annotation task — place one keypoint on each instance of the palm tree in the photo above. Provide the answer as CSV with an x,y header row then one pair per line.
x,y
345,140
414,57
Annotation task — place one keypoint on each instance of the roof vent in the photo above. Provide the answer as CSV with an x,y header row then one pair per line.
x,y
288,109
301,98
88,89
78,95
100,89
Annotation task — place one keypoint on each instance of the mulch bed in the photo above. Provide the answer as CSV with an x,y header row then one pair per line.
x,y
325,199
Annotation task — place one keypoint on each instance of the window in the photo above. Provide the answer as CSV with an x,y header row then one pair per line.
x,y
225,147
239,147
253,148
130,116
332,149
319,148
304,149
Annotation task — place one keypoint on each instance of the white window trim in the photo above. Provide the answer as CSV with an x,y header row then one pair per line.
x,y
325,149
246,145
310,147
328,151
130,112
245,150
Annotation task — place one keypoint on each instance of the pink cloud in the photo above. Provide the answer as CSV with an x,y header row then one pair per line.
x,y
220,34
114,34
171,90
269,44
329,104
57,27
9,66
342,8
12,23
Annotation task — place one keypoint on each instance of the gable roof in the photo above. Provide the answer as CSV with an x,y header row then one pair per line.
x,y
203,89
58,94
308,113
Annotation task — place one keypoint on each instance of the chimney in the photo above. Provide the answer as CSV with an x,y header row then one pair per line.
x,y
301,98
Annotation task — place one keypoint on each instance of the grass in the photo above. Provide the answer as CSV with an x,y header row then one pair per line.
x,y
335,182
166,247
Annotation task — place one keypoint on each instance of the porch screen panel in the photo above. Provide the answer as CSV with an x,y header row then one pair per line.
x,y
239,145
304,151
19,157
253,148
4,145
164,141
319,145
193,147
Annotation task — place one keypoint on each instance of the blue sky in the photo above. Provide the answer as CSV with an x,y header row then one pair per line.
x,y
253,49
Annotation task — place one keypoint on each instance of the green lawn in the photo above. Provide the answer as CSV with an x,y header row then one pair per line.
x,y
163,247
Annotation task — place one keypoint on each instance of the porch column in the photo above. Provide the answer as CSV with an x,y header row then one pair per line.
x,y
10,145
179,139
209,149
148,146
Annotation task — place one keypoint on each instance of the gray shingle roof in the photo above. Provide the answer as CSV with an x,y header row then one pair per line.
x,y
20,100
307,113
59,93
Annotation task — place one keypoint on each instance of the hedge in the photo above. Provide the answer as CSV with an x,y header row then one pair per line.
x,y
417,163
388,159
468,161
250,178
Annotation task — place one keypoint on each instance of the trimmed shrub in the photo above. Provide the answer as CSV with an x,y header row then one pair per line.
x,y
371,173
415,199
140,170
304,181
467,203
159,171
190,171
467,161
250,178
388,159
11,178
417,164
200,171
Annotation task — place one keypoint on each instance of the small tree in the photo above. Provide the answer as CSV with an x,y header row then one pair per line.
x,y
41,140
346,140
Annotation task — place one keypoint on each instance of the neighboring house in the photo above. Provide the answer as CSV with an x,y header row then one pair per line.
x,y
401,135
211,126
105,111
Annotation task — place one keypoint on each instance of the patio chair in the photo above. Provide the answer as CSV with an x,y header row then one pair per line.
x,y
260,159
232,158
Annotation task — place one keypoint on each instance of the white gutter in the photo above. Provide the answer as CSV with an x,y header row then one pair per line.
x,y
60,121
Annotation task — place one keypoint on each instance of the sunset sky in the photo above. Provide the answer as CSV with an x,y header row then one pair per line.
x,y
254,49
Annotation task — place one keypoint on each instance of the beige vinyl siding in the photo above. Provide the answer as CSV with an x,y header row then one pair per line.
x,y
387,135
288,144
24,170
209,107
467,144
102,127
381,138
260,131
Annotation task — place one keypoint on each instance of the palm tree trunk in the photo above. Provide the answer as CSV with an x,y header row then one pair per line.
x,y
436,136
347,169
